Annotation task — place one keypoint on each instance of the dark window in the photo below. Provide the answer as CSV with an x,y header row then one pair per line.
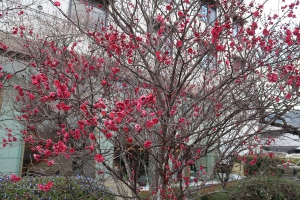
x,y
208,12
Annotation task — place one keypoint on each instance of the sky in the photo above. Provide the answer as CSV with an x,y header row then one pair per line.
x,y
273,5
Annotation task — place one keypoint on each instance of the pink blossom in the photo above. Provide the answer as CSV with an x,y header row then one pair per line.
x,y
265,32
179,43
50,162
72,150
147,144
99,158
15,178
108,135
57,3
180,14
155,120
160,19
169,7
149,124
138,127
272,77
256,14
37,157
129,140
9,76
103,82
46,187
92,136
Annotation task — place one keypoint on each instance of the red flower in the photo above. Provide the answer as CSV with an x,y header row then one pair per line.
x,y
50,162
103,82
180,14
129,140
149,124
179,43
9,76
160,19
92,136
72,150
256,14
138,127
57,3
46,187
14,178
155,120
99,158
147,144
169,7
266,32
108,135
37,157
272,77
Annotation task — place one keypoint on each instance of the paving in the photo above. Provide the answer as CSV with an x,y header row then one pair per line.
x,y
119,188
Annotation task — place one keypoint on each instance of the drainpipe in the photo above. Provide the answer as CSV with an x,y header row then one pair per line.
x,y
70,9
106,14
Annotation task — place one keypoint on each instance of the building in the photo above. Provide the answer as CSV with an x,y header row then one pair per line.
x,y
17,158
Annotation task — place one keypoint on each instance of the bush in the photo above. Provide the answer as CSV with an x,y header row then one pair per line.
x,y
63,188
264,187
264,164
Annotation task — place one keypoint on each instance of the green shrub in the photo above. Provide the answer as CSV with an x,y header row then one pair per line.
x,y
263,165
261,187
63,188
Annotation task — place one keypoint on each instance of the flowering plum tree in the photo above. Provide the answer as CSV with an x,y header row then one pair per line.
x,y
156,87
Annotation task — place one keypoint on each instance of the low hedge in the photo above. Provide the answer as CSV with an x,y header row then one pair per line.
x,y
63,188
263,164
260,187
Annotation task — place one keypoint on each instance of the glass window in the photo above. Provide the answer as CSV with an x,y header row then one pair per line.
x,y
97,17
212,15
203,13
237,25
209,61
208,13
235,30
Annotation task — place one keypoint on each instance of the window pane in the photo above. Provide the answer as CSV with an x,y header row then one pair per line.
x,y
97,17
212,15
204,13
235,30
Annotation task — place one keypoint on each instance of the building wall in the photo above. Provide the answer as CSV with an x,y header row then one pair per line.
x,y
11,154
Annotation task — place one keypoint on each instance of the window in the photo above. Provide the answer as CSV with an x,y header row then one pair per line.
x,y
208,12
237,26
91,15
97,17
209,61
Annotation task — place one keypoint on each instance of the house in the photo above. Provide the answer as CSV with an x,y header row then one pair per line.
x,y
283,134
16,156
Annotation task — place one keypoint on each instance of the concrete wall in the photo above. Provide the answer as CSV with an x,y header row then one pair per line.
x,y
11,155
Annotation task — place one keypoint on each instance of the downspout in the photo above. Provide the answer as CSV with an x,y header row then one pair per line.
x,y
106,15
70,9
